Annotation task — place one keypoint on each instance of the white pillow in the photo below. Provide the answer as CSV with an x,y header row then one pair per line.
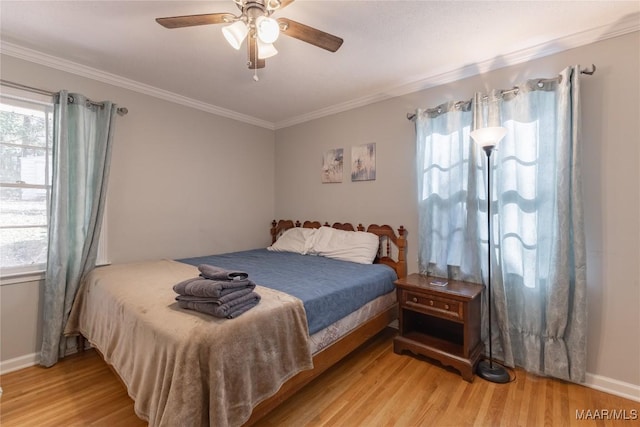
x,y
354,246
295,239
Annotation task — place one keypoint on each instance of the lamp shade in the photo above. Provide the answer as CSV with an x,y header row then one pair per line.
x,y
235,33
268,29
266,50
489,136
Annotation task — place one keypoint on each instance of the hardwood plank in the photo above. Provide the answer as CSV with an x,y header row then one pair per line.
x,y
372,386
81,390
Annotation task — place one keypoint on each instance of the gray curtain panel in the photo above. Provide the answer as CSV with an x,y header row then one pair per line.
x,y
83,134
540,280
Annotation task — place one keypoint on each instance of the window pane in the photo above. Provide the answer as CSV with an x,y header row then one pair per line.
x,y
25,177
23,165
23,206
23,126
23,246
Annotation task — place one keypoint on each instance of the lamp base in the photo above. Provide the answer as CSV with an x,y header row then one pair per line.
x,y
492,372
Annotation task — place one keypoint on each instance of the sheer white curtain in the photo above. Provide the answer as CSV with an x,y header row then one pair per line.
x,y
538,271
446,192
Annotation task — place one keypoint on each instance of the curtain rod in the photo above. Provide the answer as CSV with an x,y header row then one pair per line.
x,y
121,110
587,71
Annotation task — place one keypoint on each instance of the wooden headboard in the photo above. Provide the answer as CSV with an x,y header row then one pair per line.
x,y
384,232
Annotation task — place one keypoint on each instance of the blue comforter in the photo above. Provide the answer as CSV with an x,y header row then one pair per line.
x,y
329,289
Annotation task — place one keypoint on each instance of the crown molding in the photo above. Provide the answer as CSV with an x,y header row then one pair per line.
x,y
41,58
622,27
628,25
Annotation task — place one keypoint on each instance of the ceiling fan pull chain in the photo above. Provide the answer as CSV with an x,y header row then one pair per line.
x,y
255,64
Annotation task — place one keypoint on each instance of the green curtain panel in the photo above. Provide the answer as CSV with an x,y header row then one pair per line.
x,y
83,134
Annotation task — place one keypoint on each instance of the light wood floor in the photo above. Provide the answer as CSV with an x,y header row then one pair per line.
x,y
371,387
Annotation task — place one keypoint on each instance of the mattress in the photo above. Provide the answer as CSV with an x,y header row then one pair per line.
x,y
332,333
329,289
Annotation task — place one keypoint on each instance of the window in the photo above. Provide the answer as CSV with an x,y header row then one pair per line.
x,y
25,182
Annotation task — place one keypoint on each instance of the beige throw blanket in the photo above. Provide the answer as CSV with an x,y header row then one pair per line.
x,y
181,367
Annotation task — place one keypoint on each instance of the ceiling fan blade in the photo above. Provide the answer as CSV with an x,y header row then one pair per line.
x,y
310,35
283,4
193,20
252,52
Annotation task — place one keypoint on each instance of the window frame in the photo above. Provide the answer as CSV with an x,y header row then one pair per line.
x,y
27,273
28,100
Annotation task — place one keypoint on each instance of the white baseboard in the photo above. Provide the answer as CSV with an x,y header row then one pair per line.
x,y
611,386
29,360
17,363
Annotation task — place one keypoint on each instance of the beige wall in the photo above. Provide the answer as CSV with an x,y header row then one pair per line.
x,y
611,141
20,318
389,199
183,182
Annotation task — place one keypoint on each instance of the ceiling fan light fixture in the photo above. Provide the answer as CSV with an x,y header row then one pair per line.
x,y
256,24
268,29
266,50
235,33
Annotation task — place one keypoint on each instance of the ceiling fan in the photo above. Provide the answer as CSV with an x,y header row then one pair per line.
x,y
256,25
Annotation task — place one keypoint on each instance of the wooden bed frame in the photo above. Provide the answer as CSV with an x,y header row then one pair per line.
x,y
384,232
338,350
332,354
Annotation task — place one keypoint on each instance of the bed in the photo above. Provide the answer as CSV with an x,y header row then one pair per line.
x,y
182,367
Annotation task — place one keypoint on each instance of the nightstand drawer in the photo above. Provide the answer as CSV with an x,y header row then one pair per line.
x,y
432,304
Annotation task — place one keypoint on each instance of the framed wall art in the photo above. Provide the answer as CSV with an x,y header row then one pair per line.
x,y
363,162
332,165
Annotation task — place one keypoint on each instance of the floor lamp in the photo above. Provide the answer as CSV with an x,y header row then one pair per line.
x,y
488,138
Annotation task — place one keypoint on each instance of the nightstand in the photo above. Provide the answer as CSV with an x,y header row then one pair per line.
x,y
440,322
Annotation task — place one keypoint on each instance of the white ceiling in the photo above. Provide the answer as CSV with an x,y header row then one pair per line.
x,y
390,47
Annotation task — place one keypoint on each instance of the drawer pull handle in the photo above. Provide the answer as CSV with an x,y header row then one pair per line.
x,y
431,303
446,306
414,299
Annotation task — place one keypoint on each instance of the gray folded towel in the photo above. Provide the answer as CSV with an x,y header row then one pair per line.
x,y
201,287
216,273
228,298
229,310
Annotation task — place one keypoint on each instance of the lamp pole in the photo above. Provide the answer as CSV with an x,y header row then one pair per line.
x,y
490,372
488,138
488,149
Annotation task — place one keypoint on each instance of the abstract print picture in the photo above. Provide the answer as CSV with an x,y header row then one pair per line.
x,y
363,162
332,165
